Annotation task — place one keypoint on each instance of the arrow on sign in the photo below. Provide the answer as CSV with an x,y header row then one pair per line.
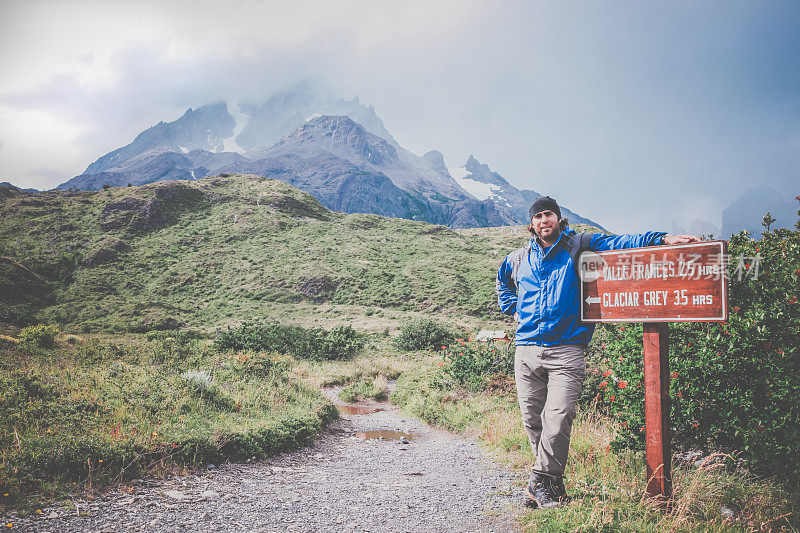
x,y
593,300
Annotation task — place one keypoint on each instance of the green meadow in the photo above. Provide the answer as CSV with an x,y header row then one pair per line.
x,y
146,330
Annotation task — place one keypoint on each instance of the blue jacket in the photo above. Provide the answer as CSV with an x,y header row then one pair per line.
x,y
543,287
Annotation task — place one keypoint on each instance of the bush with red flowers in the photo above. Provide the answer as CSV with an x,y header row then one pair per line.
x,y
733,385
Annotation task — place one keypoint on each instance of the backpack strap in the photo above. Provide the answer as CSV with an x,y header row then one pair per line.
x,y
516,257
575,245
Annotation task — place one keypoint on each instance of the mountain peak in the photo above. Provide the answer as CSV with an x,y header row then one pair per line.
x,y
342,136
476,167
330,125
480,172
202,128
436,159
287,110
338,148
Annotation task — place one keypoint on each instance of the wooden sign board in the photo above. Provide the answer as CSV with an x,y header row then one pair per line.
x,y
679,283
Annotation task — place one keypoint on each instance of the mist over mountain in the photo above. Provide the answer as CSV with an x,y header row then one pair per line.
x,y
285,111
747,212
337,150
697,226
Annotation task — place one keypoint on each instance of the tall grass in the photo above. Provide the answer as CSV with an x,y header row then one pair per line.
x,y
608,489
102,408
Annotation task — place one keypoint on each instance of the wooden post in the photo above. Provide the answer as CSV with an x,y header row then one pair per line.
x,y
656,285
656,410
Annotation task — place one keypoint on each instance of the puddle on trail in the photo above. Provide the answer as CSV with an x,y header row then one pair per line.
x,y
386,434
358,409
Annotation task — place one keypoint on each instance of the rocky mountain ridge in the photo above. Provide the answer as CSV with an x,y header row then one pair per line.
x,y
338,151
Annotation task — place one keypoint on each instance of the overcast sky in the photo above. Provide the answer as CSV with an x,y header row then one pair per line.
x,y
633,114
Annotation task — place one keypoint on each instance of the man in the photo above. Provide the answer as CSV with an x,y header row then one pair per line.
x,y
540,286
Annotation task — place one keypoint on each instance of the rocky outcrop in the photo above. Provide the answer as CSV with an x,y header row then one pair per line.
x,y
305,207
315,287
436,160
169,200
117,215
18,284
156,316
105,251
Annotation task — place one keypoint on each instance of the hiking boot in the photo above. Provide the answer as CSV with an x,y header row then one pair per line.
x,y
559,489
541,490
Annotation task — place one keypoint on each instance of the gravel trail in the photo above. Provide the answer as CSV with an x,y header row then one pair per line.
x,y
429,480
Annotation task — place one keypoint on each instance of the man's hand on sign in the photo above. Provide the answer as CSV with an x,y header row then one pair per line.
x,y
680,239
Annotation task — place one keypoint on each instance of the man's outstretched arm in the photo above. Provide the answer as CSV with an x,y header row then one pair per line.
x,y
601,242
681,239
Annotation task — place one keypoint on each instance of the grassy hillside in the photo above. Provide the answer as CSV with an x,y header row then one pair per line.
x,y
110,396
221,249
101,393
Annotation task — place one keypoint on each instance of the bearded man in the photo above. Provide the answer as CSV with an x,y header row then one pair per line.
x,y
539,284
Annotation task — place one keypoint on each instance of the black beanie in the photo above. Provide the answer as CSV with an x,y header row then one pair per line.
x,y
544,203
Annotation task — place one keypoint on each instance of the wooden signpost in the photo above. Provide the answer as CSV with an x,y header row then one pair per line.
x,y
655,286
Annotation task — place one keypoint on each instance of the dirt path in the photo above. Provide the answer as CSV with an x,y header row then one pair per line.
x,y
427,480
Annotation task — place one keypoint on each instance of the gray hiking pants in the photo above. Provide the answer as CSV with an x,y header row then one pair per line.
x,y
549,381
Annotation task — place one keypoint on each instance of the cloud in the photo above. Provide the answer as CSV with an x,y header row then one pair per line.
x,y
111,92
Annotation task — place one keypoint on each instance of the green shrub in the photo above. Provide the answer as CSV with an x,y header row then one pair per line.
x,y
340,342
72,339
19,315
734,385
39,336
260,367
364,389
269,337
180,335
201,384
424,334
472,363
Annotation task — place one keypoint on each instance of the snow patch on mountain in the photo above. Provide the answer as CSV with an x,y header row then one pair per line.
x,y
478,189
229,144
458,173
